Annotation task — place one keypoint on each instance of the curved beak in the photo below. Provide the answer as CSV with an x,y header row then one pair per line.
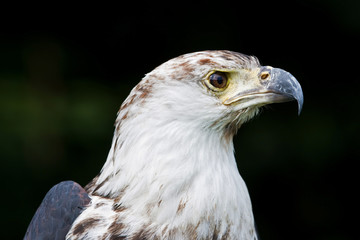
x,y
279,86
285,85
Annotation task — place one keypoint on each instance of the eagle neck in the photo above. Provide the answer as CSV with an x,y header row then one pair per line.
x,y
167,173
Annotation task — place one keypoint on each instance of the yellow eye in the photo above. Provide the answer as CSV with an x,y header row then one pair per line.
x,y
217,81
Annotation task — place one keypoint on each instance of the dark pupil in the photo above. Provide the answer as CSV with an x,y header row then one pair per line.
x,y
217,80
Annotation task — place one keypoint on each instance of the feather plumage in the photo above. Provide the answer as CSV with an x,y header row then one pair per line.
x,y
171,171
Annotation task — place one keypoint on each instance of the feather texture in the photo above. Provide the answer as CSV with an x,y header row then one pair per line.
x,y
171,171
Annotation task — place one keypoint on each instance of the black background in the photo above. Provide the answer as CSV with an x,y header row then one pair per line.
x,y
65,69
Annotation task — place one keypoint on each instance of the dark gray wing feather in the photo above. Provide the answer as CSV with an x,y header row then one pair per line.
x,y
57,212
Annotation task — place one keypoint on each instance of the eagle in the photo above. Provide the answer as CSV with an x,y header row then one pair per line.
x,y
171,171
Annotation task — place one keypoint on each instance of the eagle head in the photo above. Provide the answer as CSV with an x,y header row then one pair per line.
x,y
171,171
214,90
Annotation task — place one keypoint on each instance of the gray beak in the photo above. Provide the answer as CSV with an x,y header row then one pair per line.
x,y
285,84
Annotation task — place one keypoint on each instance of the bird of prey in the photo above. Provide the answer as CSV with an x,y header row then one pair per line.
x,y
171,171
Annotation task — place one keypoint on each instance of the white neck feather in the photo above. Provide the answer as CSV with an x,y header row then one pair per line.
x,y
180,175
169,173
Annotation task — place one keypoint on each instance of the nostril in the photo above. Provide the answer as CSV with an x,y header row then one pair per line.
x,y
264,75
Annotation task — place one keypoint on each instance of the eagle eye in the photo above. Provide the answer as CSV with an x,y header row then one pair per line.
x,y
217,81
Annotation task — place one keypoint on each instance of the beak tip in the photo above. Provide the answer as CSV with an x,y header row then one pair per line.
x,y
300,102
287,84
